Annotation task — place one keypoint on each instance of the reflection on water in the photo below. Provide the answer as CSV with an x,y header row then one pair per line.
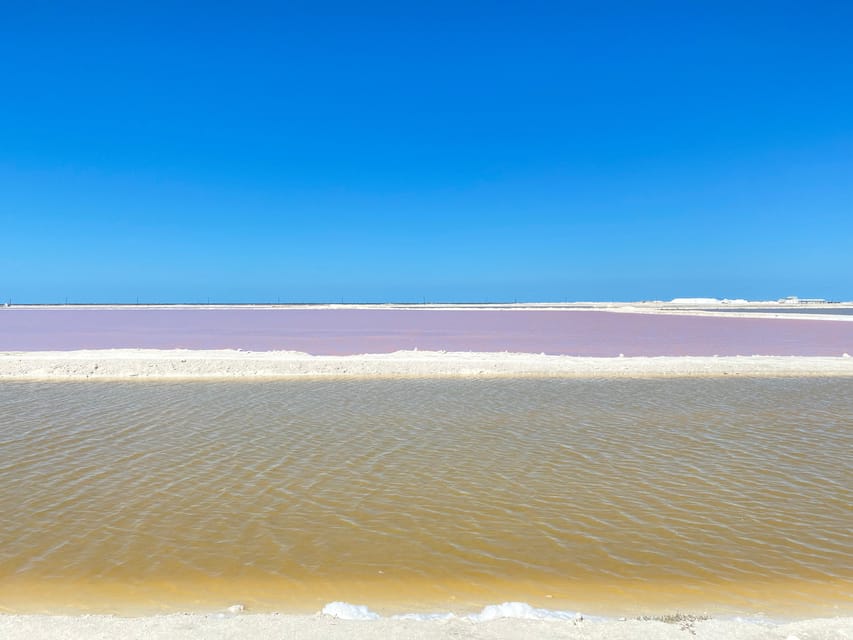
x,y
606,495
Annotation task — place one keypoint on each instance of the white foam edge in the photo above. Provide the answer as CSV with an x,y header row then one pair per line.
x,y
517,610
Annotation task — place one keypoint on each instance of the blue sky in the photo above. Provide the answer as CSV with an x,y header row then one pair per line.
x,y
441,151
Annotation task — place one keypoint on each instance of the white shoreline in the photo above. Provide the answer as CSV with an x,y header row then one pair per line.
x,y
263,626
177,364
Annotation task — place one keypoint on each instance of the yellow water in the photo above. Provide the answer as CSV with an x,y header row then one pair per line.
x,y
608,496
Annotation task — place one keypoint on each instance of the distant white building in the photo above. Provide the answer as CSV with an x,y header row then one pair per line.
x,y
796,300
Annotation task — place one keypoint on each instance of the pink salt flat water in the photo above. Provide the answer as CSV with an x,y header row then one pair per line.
x,y
355,331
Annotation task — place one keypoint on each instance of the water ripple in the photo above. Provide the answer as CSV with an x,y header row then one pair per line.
x,y
691,482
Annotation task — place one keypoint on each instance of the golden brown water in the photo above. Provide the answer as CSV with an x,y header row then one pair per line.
x,y
608,496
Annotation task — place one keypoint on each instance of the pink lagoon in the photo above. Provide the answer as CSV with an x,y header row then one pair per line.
x,y
349,331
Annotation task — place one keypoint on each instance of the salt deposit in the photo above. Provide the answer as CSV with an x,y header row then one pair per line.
x,y
222,364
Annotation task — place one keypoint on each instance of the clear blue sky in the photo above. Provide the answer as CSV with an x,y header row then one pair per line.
x,y
442,150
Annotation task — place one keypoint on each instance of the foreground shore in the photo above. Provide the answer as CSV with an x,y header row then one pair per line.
x,y
155,364
262,626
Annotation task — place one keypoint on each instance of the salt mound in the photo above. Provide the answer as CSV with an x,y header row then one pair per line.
x,y
347,611
521,610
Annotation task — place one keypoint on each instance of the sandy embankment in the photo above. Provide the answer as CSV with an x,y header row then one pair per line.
x,y
223,364
263,626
